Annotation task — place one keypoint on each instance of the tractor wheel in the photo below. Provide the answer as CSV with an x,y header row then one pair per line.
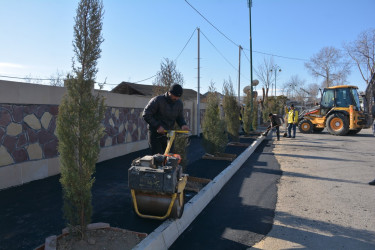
x,y
354,132
318,130
305,126
337,124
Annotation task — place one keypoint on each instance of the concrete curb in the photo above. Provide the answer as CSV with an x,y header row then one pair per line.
x,y
164,236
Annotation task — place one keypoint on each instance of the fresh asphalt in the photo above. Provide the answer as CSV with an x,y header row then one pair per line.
x,y
240,215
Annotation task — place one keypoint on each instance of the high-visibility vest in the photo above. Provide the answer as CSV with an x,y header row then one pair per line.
x,y
292,116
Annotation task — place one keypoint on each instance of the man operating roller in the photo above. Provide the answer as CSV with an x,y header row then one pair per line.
x,y
161,113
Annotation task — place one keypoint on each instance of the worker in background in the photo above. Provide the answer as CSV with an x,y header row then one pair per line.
x,y
274,123
292,121
161,113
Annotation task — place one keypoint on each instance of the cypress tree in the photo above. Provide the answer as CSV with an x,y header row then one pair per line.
x,y
247,117
214,135
79,127
231,111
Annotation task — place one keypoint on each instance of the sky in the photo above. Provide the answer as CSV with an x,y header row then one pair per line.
x,y
36,38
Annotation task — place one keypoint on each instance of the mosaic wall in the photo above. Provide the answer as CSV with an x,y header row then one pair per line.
x,y
28,132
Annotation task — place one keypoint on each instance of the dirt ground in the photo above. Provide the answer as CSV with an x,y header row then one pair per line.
x,y
106,238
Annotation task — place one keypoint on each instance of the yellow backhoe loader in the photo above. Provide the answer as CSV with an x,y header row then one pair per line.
x,y
340,111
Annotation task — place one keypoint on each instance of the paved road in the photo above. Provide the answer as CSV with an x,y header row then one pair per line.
x,y
324,200
242,213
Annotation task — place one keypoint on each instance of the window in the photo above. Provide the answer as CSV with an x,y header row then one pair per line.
x,y
328,98
343,97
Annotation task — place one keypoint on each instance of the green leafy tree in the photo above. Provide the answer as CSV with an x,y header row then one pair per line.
x,y
214,136
79,127
231,111
165,78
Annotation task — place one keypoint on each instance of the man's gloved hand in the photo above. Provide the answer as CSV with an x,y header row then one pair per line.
x,y
160,130
185,127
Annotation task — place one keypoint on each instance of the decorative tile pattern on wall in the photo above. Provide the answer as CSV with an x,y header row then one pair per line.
x,y
28,132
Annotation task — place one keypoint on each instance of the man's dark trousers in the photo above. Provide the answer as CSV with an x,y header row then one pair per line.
x,y
157,142
278,132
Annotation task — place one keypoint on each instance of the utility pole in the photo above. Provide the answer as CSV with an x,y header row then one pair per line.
x,y
275,68
198,93
250,3
239,74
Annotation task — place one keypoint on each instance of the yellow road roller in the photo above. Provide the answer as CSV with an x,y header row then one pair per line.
x,y
157,184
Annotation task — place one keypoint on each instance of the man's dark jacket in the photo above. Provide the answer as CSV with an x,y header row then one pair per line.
x,y
274,121
162,111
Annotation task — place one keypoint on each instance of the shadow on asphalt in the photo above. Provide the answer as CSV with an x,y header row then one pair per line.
x,y
299,175
317,157
33,211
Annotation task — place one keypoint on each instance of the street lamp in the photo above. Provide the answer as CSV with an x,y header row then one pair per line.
x,y
275,69
249,4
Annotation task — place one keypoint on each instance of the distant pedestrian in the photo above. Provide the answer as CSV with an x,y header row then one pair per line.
x,y
292,121
274,123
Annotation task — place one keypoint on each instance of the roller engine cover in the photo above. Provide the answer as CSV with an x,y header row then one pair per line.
x,y
144,175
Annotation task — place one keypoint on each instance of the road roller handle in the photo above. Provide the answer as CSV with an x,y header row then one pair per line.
x,y
171,134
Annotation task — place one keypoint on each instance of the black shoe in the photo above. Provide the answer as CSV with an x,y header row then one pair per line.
x,y
372,183
293,137
288,137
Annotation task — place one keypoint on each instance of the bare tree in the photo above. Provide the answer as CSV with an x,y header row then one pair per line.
x,y
57,79
167,76
362,51
329,63
265,76
313,89
30,79
292,88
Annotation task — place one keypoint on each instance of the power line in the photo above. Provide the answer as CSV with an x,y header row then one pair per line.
x,y
291,58
269,54
222,55
211,24
185,45
40,79
246,56
28,78
51,79
175,60
218,51
146,79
